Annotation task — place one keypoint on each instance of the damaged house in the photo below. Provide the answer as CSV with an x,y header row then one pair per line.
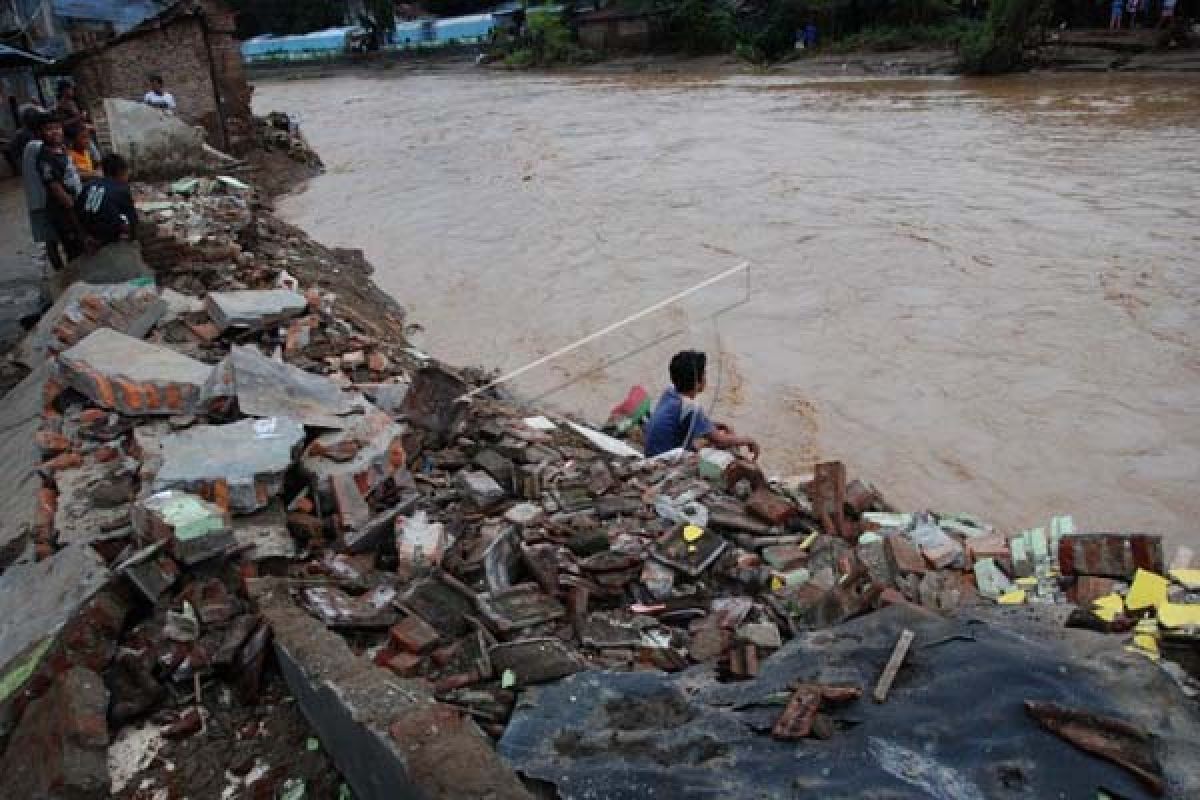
x,y
191,45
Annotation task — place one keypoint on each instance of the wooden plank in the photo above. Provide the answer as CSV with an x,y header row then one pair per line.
x,y
893,666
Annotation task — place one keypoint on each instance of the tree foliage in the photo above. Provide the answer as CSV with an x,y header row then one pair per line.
x,y
256,17
999,44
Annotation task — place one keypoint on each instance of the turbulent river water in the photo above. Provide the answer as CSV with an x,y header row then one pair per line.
x,y
983,296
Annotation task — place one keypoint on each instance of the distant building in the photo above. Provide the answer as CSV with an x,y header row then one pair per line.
x,y
614,30
190,44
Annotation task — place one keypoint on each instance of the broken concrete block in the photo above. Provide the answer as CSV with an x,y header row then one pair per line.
x,y
151,571
990,581
500,468
84,307
60,746
192,529
443,606
524,514
904,555
37,602
254,309
388,740
771,507
375,455
480,488
339,610
94,502
268,388
264,535
133,376
242,463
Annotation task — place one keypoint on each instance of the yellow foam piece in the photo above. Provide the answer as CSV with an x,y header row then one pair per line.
x,y
1146,643
1108,607
691,533
1150,654
1188,578
1149,590
1026,583
777,583
1014,598
812,537
1178,615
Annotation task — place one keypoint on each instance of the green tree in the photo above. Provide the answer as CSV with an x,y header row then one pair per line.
x,y
256,17
999,44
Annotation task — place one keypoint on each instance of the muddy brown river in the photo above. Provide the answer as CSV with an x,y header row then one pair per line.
x,y
983,296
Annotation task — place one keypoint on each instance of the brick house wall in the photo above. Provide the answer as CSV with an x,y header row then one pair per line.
x,y
177,47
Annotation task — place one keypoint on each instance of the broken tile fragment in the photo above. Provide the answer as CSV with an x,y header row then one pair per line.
x,y
191,529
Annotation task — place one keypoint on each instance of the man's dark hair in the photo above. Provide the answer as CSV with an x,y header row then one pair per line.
x,y
113,165
156,79
63,85
71,132
687,368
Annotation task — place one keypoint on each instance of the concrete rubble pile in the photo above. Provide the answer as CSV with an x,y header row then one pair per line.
x,y
252,480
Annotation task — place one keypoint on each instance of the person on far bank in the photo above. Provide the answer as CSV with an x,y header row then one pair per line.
x,y
158,96
678,421
1118,11
105,209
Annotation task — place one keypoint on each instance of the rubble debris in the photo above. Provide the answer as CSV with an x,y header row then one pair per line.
x,y
60,746
240,464
253,309
129,308
799,718
1110,738
534,661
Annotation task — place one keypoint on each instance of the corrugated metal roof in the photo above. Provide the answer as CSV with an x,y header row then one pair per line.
x,y
123,15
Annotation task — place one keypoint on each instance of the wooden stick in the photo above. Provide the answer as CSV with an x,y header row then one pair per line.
x,y
893,666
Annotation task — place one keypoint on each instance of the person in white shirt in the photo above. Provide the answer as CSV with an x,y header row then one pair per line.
x,y
157,97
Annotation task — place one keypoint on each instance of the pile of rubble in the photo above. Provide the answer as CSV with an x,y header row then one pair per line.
x,y
238,470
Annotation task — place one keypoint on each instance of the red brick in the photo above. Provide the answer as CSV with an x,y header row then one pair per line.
x,y
414,635
406,665
904,555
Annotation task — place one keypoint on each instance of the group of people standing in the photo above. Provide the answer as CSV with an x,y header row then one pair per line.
x,y
1135,7
77,199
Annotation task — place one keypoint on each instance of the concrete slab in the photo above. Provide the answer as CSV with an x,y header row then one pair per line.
x,y
133,376
387,736
20,418
193,530
254,309
269,388
94,502
37,601
242,463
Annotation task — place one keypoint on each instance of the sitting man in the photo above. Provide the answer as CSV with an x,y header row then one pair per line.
x,y
678,421
106,209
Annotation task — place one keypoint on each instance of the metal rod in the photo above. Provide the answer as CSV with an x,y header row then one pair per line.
x,y
605,331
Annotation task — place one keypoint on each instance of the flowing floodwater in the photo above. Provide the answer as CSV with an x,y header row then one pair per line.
x,y
983,296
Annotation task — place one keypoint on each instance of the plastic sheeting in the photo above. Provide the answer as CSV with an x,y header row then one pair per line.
x,y
953,728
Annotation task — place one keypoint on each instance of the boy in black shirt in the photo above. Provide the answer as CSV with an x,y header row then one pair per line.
x,y
105,209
